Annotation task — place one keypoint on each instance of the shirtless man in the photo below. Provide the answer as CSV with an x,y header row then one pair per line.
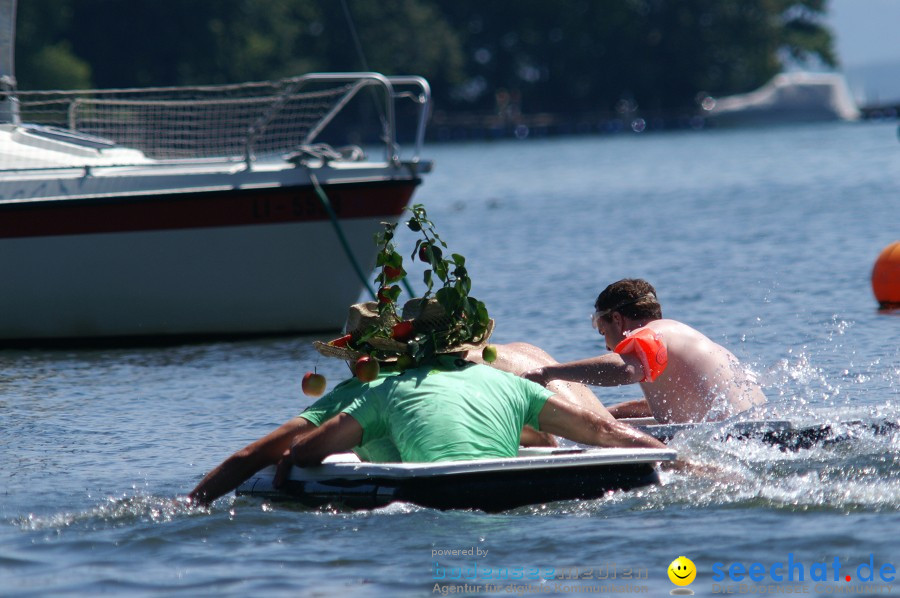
x,y
685,376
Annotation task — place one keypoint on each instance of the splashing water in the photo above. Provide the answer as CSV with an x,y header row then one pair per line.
x,y
115,511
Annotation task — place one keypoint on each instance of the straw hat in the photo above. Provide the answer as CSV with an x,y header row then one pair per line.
x,y
430,323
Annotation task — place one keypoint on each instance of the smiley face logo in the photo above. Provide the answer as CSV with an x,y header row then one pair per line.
x,y
682,571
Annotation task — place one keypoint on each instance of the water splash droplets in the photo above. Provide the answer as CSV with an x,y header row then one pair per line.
x,y
116,511
851,465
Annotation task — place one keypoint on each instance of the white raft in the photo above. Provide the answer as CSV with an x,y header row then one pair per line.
x,y
537,475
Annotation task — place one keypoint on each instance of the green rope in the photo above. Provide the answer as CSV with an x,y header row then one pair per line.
x,y
340,233
406,285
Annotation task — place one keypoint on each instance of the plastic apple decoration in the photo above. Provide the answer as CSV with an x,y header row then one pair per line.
x,y
388,294
429,251
404,362
313,384
366,369
391,273
402,330
489,354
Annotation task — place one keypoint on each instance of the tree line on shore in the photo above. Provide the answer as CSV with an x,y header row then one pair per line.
x,y
528,56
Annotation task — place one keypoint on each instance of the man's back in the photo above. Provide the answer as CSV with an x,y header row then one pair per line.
x,y
451,410
702,380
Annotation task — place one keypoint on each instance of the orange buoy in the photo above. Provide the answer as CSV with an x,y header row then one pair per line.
x,y
886,276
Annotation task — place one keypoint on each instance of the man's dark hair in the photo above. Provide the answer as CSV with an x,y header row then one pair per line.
x,y
632,297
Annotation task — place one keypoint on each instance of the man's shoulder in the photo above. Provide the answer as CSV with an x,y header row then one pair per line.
x,y
483,370
493,377
454,370
450,364
681,338
672,328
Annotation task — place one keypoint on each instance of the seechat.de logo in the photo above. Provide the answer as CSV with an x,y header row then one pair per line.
x,y
682,572
791,570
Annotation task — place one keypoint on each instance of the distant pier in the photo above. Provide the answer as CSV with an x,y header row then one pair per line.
x,y
485,127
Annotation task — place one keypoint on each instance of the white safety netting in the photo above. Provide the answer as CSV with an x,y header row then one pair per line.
x,y
190,122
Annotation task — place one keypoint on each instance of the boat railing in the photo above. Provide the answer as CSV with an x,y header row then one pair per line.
x,y
421,95
241,122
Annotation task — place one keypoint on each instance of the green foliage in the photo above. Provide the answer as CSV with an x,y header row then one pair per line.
x,y
44,55
565,56
801,33
147,42
467,317
56,66
617,55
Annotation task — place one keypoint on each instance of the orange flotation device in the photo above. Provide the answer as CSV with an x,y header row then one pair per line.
x,y
649,347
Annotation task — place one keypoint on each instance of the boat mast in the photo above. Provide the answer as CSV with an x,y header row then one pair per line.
x,y
9,105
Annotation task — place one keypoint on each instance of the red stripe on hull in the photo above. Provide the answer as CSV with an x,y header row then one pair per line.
x,y
240,207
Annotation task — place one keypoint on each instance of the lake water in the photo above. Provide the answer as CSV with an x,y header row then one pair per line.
x,y
763,239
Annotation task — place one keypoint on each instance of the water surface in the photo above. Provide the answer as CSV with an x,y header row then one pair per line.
x,y
762,239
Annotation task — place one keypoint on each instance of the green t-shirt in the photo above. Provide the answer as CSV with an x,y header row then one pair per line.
x,y
381,450
452,410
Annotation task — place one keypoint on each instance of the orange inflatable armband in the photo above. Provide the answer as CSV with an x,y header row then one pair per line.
x,y
649,347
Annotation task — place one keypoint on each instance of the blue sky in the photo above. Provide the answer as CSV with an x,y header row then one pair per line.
x,y
867,45
866,30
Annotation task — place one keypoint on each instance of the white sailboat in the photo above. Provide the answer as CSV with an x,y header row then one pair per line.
x,y
195,211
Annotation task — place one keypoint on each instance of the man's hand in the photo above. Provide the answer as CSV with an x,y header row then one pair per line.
x,y
283,469
531,437
536,375
631,409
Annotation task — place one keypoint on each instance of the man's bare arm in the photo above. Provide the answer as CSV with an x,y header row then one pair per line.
x,y
338,434
570,421
266,451
610,369
636,408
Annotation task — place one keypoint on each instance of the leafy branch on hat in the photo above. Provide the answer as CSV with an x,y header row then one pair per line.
x,y
467,316
469,313
392,271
